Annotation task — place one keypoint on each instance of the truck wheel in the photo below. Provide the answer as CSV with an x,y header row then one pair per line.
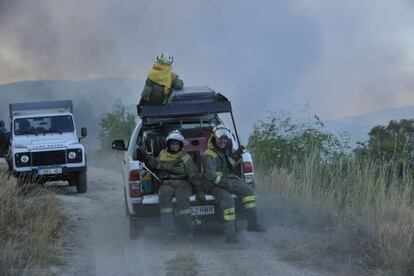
x,y
82,182
10,166
136,228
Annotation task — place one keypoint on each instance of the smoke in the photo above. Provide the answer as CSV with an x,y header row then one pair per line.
x,y
344,58
367,59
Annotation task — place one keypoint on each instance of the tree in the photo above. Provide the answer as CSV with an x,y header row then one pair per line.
x,y
393,142
117,124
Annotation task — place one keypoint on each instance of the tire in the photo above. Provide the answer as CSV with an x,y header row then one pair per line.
x,y
136,228
9,165
82,183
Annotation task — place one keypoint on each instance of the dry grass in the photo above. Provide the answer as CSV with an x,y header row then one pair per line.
x,y
362,213
30,221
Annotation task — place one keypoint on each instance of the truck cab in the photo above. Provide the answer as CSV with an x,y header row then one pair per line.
x,y
44,145
195,111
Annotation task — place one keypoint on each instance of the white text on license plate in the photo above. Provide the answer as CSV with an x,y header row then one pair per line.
x,y
49,171
202,210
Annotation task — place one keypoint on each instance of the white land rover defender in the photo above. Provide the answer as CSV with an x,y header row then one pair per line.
x,y
44,145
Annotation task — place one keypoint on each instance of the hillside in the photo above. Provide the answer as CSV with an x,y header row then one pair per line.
x,y
359,126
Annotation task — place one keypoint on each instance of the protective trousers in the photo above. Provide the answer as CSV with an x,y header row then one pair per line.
x,y
226,203
222,192
181,189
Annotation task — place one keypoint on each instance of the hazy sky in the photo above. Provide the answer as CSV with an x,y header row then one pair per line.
x,y
342,57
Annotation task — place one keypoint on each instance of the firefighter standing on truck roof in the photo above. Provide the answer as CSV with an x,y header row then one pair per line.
x,y
176,170
220,181
161,80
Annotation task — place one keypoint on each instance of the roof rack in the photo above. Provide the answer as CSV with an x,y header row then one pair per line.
x,y
197,101
189,102
28,107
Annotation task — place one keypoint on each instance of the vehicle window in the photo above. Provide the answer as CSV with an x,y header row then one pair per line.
x,y
153,139
43,125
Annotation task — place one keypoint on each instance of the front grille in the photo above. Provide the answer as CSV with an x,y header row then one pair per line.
x,y
46,158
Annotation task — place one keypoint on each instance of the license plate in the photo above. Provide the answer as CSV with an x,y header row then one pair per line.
x,y
49,171
202,210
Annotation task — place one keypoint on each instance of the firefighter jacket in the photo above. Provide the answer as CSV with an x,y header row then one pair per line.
x,y
160,81
218,164
176,166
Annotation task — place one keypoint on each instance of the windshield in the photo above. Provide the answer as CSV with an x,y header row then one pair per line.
x,y
43,125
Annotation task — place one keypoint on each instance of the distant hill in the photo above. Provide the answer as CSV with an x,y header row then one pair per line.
x,y
91,98
359,126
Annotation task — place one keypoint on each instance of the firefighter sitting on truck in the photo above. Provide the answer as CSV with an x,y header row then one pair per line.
x,y
177,172
220,181
161,80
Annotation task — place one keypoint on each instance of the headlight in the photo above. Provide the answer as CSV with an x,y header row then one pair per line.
x,y
24,158
72,155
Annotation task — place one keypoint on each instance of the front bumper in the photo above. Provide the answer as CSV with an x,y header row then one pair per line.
x,y
67,172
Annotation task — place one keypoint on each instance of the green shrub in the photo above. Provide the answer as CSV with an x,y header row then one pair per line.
x,y
117,124
280,141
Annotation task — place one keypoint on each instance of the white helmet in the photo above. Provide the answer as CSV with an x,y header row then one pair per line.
x,y
220,131
175,135
165,58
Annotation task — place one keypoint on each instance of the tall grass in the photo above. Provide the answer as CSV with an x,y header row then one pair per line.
x,y
30,221
362,209
361,201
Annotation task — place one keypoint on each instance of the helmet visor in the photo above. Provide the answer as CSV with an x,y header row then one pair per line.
x,y
175,135
222,132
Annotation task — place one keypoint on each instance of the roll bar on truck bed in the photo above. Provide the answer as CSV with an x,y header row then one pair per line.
x,y
189,102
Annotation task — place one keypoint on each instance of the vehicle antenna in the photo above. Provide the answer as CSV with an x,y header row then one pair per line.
x,y
235,129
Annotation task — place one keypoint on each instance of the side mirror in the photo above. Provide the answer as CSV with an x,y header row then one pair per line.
x,y
118,145
84,132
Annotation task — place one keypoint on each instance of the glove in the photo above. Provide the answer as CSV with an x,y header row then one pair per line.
x,y
201,196
238,153
142,155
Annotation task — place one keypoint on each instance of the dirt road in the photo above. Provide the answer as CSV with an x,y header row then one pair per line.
x,y
97,242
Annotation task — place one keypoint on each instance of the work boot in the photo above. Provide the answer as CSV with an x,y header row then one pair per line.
x,y
230,232
185,225
232,239
168,225
252,224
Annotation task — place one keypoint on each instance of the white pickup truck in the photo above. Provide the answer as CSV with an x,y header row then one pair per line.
x,y
44,145
195,111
